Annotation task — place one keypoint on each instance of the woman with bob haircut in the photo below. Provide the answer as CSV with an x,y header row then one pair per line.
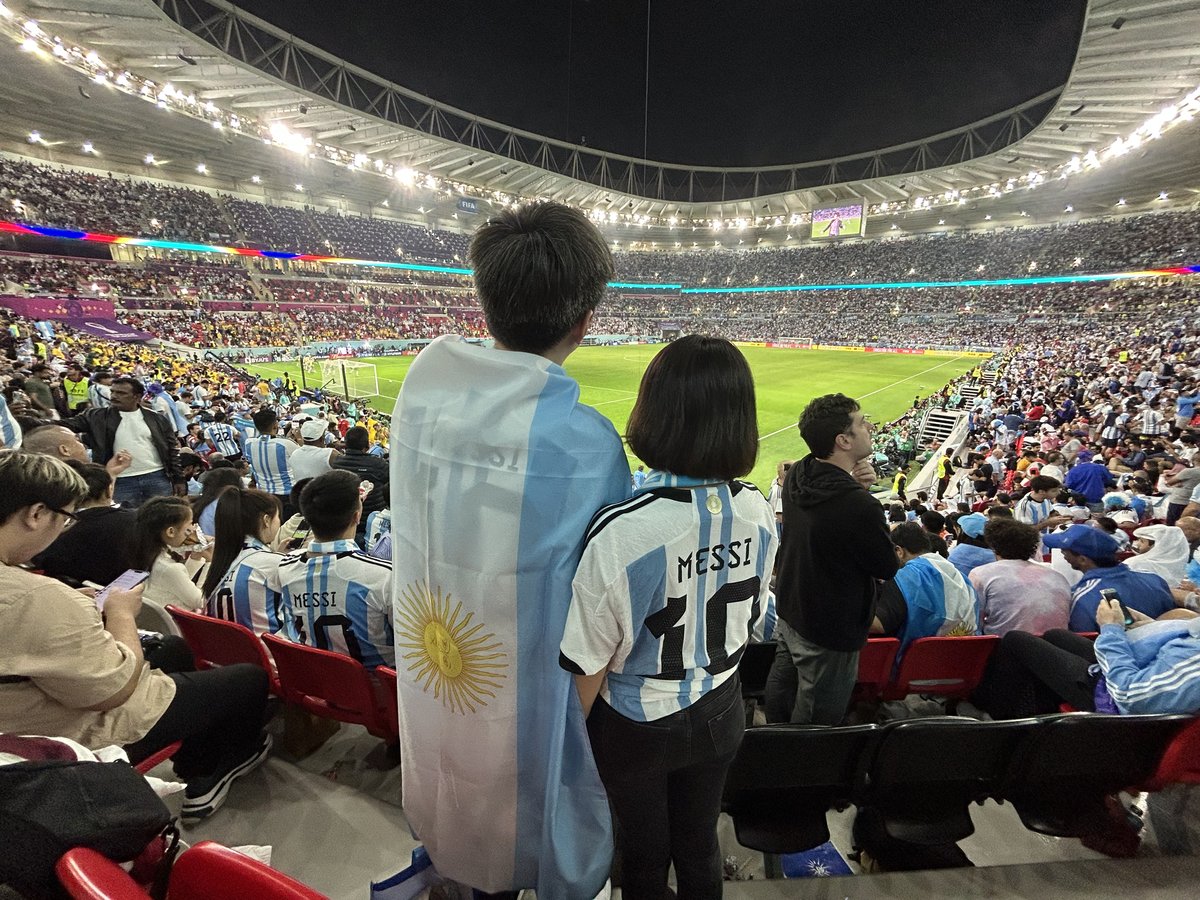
x,y
243,581
671,587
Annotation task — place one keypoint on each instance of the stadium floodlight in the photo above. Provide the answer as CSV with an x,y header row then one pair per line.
x,y
202,169
1069,208
5,12
254,179
149,159
31,27
28,45
1162,195
299,186
1121,201
35,137
88,147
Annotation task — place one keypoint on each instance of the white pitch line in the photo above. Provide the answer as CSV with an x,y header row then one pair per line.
x,y
618,400
763,437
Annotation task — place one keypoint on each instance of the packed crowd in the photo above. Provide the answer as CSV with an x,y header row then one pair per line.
x,y
1077,448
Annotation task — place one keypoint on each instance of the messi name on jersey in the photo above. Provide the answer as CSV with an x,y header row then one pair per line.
x,y
314,599
715,558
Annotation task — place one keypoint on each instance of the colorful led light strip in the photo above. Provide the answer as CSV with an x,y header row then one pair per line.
x,y
74,235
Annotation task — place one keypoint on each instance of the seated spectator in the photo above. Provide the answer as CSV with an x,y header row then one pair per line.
x,y
358,459
294,534
315,457
1149,667
164,524
1014,592
342,598
970,549
1163,550
62,443
66,671
242,584
927,597
97,548
204,504
1092,553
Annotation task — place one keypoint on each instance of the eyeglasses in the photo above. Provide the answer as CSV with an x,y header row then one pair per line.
x,y
69,517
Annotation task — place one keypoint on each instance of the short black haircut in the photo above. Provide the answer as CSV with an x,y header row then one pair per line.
x,y
539,269
1010,539
264,419
357,438
824,419
132,383
97,478
695,411
330,502
911,537
1044,483
932,521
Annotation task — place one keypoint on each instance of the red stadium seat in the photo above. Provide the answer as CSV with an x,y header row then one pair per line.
x,y
155,759
208,871
388,700
1181,762
875,662
215,642
330,685
942,666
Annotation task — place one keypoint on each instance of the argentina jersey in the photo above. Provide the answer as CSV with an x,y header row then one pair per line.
x,y
10,431
245,426
268,458
342,600
224,438
250,594
672,586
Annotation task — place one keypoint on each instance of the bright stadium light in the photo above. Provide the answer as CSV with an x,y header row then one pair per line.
x,y
1069,208
1162,195
202,169
5,12
1121,201
28,45
35,137
299,186
254,179
88,147
149,159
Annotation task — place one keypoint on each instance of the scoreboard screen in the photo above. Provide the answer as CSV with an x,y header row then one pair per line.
x,y
831,223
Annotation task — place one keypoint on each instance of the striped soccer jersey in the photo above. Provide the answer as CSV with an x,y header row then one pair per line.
x,y
245,426
224,437
342,600
10,431
268,458
250,594
672,585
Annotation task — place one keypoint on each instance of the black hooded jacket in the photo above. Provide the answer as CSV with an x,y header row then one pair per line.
x,y
835,548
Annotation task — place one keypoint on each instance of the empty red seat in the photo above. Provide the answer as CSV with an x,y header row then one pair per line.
x,y
330,685
216,642
875,662
1180,763
388,700
942,666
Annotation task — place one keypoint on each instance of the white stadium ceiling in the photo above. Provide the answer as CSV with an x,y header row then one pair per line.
x,y
1136,74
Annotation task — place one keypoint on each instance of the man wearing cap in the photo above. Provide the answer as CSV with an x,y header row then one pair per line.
x,y
970,549
1093,553
314,458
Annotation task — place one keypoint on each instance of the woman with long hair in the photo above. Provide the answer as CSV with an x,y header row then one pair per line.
x,y
671,585
242,584
164,525
204,504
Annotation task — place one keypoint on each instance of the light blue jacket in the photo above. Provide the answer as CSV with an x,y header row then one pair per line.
x,y
1158,672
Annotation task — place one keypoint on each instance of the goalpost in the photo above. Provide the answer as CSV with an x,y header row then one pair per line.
x,y
348,377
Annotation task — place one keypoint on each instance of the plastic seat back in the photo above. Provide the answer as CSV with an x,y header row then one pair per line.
x,y
943,666
753,668
388,701
784,779
209,871
924,774
87,875
875,662
1058,781
1180,764
328,684
216,642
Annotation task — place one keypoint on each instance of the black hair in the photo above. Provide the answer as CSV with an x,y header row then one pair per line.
x,y
153,517
264,419
539,268
932,521
239,515
1010,539
215,481
132,383
911,537
824,419
330,502
97,477
695,413
358,438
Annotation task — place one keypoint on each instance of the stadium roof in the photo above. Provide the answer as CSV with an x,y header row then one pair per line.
x,y
1068,148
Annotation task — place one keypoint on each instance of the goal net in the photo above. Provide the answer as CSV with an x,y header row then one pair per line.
x,y
347,377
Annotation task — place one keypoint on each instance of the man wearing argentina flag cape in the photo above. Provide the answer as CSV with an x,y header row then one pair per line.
x,y
928,597
496,470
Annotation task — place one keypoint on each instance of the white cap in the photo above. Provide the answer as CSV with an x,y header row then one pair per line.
x,y
313,429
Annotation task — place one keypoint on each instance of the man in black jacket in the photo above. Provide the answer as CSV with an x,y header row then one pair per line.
x,y
147,437
834,552
370,468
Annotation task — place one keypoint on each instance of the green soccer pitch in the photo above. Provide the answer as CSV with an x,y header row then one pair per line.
x,y
885,384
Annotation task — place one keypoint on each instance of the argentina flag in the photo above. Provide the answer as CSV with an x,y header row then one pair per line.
x,y
940,601
496,470
10,431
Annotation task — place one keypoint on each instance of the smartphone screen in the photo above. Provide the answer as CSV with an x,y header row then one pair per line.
x,y
1112,596
128,579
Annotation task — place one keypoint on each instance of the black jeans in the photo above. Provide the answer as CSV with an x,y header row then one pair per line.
x,y
1030,675
664,780
217,713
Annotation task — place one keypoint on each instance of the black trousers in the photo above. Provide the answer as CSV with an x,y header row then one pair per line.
x,y
664,780
1030,675
217,713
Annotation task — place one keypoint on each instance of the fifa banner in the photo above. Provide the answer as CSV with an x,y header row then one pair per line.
x,y
862,348
831,223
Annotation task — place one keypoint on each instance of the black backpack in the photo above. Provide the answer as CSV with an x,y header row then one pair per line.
x,y
49,807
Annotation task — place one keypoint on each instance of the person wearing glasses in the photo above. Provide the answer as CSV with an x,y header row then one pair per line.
x,y
69,669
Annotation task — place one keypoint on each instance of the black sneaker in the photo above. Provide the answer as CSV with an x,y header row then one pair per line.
x,y
205,796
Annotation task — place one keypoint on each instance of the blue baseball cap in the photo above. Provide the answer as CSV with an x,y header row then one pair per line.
x,y
1084,540
972,525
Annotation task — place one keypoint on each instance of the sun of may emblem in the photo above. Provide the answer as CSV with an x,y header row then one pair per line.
x,y
446,653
